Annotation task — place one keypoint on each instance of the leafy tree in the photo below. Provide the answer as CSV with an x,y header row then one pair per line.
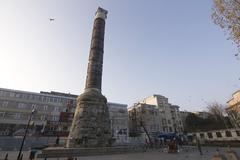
x,y
226,14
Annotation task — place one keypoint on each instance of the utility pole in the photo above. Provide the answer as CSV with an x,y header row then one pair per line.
x,y
26,130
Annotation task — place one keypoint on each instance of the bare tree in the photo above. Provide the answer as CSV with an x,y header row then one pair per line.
x,y
138,122
234,118
226,14
216,109
218,112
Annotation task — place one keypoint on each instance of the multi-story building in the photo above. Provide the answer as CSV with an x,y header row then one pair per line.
x,y
170,116
54,113
16,106
233,109
165,116
144,118
176,118
119,122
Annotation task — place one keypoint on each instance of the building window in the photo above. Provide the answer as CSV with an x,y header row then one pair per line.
x,y
1,93
17,95
56,109
65,128
55,118
45,107
228,134
201,135
219,135
121,111
17,116
34,106
24,96
2,114
164,122
210,135
6,94
36,98
12,94
169,122
5,104
21,105
30,97
43,118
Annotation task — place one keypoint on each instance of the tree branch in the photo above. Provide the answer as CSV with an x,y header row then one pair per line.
x,y
238,2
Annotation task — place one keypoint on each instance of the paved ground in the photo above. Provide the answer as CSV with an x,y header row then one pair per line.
x,y
186,153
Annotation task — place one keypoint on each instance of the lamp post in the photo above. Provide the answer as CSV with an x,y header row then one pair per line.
x,y
26,130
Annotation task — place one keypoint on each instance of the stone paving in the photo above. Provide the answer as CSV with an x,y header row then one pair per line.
x,y
186,153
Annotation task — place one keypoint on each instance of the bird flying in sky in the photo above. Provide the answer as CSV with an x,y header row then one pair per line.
x,y
51,19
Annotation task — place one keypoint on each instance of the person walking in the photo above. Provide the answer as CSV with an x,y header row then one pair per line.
x,y
6,157
57,141
32,154
199,147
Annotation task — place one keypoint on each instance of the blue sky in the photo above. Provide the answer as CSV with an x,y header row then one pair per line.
x,y
162,47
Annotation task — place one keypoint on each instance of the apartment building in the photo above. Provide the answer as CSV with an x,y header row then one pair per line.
x,y
54,113
161,116
119,122
16,107
144,118
233,109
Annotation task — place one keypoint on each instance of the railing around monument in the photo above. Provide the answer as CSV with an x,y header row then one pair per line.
x,y
218,137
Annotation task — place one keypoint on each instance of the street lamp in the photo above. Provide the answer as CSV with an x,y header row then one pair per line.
x,y
26,130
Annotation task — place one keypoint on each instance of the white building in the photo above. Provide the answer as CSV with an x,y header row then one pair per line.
x,y
144,118
16,106
54,113
119,122
163,117
170,115
233,109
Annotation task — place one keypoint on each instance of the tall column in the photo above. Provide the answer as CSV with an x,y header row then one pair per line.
x,y
91,124
94,72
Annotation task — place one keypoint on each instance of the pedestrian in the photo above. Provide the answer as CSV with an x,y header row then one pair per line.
x,y
57,141
6,157
165,141
146,143
21,157
32,154
199,147
180,144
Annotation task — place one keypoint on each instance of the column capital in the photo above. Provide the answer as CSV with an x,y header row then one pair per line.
x,y
101,13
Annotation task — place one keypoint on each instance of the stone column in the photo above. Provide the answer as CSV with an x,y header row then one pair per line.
x,y
94,72
91,124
